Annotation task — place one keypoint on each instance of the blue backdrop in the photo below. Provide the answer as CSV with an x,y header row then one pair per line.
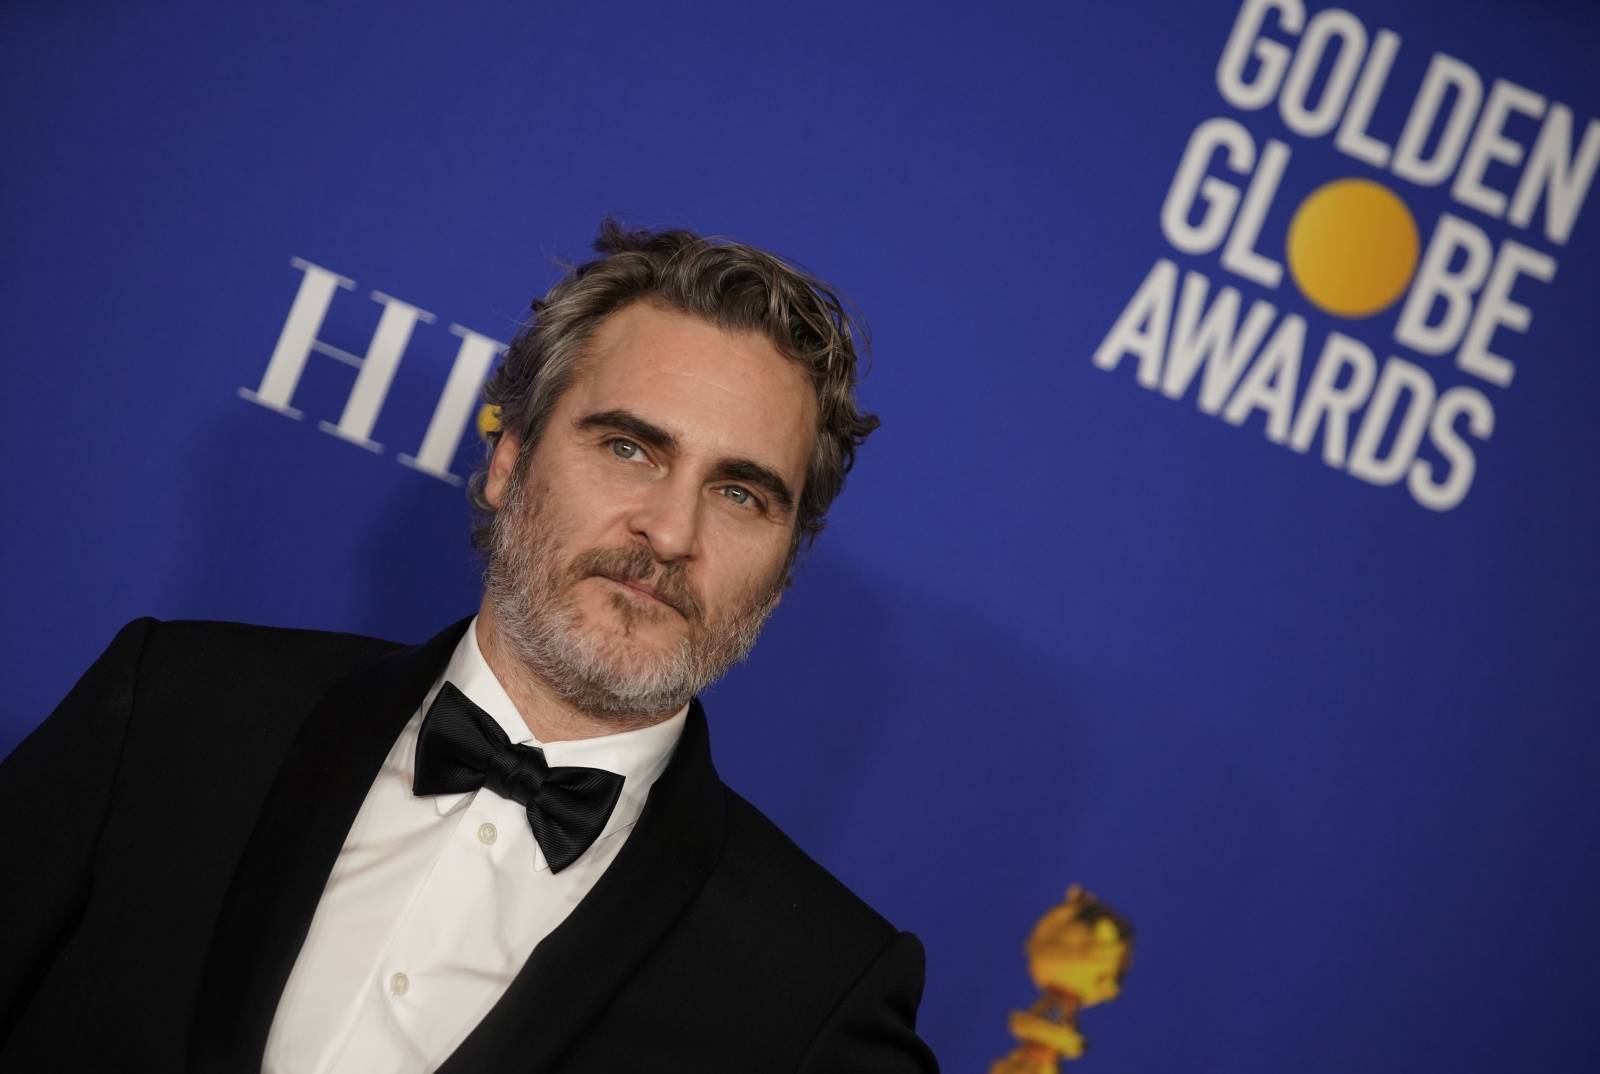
x,y
1333,749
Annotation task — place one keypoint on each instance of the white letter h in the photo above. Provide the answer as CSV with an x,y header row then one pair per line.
x,y
299,339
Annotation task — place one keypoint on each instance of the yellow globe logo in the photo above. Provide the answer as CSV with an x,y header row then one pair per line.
x,y
1352,247
488,420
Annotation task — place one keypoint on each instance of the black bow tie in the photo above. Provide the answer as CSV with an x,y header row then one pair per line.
x,y
461,749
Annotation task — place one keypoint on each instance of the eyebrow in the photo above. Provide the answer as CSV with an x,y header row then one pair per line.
x,y
753,473
625,421
651,435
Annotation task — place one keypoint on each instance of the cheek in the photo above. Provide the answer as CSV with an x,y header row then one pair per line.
x,y
744,563
577,506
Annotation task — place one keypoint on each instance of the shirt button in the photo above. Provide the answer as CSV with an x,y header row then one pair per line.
x,y
487,833
399,984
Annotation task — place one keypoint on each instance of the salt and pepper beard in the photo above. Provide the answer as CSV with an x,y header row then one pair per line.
x,y
540,624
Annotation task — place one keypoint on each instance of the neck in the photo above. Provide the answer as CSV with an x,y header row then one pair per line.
x,y
548,716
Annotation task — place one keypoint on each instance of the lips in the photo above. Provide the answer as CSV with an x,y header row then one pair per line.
x,y
639,587
646,590
636,568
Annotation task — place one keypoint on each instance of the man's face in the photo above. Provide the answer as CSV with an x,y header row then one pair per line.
x,y
642,548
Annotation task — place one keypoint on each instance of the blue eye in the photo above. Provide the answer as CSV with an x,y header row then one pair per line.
x,y
738,495
625,449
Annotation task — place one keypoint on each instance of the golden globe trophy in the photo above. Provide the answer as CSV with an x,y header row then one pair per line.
x,y
1077,955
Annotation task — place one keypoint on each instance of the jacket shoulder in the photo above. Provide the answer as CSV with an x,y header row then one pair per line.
x,y
194,661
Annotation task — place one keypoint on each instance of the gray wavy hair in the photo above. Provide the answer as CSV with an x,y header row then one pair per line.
x,y
736,287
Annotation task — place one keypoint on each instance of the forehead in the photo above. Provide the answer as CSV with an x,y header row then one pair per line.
x,y
722,393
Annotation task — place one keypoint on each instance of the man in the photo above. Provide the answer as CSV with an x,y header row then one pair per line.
x,y
243,849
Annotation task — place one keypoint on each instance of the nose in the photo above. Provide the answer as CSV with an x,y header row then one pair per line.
x,y
667,517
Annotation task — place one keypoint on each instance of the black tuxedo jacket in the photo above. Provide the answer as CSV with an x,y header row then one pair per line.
x,y
170,829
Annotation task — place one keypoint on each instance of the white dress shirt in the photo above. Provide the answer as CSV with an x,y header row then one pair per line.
x,y
435,903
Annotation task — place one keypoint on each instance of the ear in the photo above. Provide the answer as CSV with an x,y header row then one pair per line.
x,y
501,466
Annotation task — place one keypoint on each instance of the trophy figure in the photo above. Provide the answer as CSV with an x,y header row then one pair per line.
x,y
1077,955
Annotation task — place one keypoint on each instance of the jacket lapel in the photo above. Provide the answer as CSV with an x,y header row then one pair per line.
x,y
304,820
572,974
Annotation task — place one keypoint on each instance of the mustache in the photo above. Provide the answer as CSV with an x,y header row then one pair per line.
x,y
635,564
